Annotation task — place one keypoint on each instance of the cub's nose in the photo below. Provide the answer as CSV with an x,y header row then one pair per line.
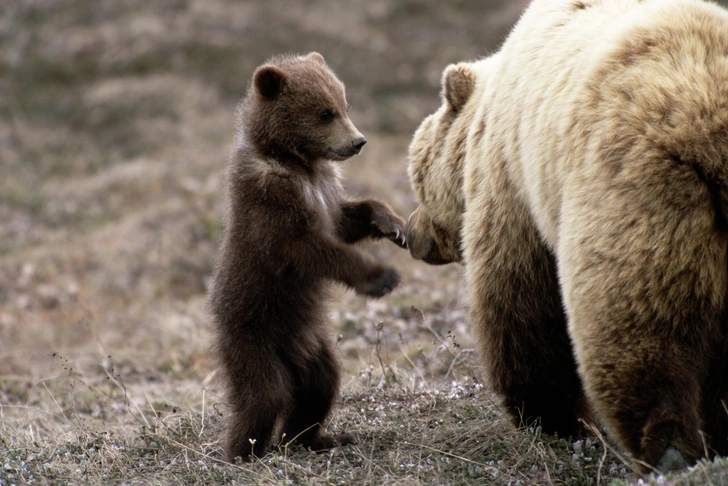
x,y
358,143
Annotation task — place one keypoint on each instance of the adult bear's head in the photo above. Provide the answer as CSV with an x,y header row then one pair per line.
x,y
436,157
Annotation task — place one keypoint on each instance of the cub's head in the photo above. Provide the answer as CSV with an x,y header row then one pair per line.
x,y
296,110
436,157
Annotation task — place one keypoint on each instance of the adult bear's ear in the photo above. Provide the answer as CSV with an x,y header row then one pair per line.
x,y
269,81
458,83
315,56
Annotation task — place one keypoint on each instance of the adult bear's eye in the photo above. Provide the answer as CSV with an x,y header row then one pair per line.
x,y
326,115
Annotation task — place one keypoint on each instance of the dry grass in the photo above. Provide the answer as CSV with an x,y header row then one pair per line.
x,y
116,119
103,431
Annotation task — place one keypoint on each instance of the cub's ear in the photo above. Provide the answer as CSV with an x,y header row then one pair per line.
x,y
458,83
315,56
269,81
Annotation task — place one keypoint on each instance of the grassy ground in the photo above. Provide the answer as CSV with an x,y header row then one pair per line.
x,y
116,119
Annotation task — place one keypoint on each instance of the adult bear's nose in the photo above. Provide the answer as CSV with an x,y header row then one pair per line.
x,y
358,143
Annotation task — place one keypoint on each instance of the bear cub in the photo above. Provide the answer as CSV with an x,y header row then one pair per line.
x,y
288,235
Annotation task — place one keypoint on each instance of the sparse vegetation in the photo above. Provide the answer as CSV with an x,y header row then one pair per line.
x,y
116,119
421,436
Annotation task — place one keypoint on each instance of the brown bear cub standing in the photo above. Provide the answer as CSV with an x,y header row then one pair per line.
x,y
287,237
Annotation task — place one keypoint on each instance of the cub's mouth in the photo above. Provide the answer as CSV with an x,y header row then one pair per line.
x,y
339,154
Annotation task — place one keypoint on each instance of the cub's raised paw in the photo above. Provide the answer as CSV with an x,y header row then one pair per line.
x,y
381,285
390,226
398,238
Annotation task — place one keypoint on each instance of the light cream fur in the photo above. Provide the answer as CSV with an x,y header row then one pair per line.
x,y
597,138
436,154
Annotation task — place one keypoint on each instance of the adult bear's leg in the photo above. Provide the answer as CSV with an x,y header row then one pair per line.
x,y
517,313
643,271
715,400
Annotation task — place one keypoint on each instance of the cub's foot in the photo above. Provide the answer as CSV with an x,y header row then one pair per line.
x,y
240,460
671,460
328,441
243,456
346,439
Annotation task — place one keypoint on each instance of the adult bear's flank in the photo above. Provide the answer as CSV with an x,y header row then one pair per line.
x,y
581,174
288,236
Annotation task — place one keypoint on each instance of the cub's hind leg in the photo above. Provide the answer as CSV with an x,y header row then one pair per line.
x,y
250,428
258,390
316,385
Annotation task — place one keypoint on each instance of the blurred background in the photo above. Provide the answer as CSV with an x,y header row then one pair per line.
x,y
116,121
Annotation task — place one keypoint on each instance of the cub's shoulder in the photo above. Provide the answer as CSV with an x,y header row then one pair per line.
x,y
266,180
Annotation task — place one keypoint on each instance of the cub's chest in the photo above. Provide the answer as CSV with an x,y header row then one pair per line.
x,y
322,200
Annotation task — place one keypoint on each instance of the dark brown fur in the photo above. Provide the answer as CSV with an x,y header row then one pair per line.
x,y
287,237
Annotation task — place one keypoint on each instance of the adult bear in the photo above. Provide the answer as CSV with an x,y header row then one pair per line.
x,y
581,175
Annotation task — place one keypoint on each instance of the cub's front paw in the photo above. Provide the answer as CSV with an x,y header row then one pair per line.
x,y
382,283
398,237
391,226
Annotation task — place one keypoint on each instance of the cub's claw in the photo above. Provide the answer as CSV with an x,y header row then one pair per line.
x,y
401,239
398,238
386,224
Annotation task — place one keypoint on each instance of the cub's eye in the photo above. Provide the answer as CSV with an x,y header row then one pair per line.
x,y
326,115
